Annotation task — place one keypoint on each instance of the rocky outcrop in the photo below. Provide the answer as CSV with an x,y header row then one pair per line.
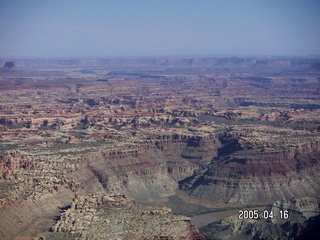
x,y
9,66
116,216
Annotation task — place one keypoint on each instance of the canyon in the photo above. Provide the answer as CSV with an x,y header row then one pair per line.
x,y
222,132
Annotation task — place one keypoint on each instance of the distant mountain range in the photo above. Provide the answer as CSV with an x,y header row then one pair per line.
x,y
255,62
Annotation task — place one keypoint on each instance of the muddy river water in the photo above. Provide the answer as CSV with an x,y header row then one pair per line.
x,y
206,218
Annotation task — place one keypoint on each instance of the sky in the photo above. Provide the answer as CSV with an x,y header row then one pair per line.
x,y
119,28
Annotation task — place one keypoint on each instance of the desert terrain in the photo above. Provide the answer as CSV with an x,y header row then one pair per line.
x,y
131,148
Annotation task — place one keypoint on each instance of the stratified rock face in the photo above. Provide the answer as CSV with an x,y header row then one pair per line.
x,y
251,168
302,222
151,170
116,216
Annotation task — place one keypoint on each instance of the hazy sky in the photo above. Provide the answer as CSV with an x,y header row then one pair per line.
x,y
62,28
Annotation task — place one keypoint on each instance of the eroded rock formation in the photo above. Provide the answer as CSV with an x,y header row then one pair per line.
x,y
8,66
116,216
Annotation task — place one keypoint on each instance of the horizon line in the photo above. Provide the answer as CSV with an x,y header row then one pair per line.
x,y
164,56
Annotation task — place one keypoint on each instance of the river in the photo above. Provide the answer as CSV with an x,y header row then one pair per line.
x,y
206,218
